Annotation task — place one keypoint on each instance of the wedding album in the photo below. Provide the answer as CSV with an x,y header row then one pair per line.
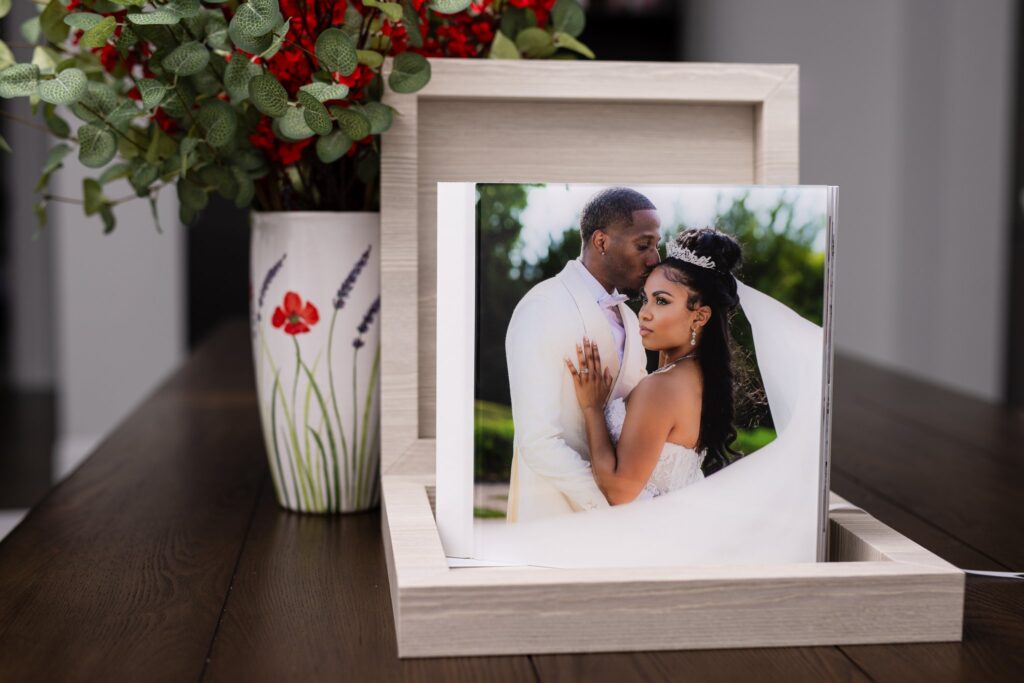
x,y
633,375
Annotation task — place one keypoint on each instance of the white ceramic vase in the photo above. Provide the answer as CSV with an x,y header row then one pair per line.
x,y
315,317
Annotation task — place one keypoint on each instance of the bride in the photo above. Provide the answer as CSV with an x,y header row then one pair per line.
x,y
677,423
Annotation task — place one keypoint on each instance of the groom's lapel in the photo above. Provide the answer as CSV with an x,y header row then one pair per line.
x,y
633,346
595,323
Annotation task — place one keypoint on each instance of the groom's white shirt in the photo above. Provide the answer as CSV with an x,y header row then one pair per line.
x,y
551,471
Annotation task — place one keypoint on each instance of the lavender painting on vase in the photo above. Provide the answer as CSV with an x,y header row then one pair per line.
x,y
316,349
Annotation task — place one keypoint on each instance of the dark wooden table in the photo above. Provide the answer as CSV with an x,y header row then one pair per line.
x,y
165,557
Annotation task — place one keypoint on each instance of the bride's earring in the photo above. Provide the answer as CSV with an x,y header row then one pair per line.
x,y
693,336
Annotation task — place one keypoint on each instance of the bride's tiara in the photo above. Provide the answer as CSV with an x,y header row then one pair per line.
x,y
683,254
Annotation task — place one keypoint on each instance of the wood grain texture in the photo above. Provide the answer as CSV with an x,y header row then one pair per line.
x,y
889,588
993,643
490,120
310,602
120,572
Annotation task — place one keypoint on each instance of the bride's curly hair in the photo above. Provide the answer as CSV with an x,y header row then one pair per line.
x,y
715,288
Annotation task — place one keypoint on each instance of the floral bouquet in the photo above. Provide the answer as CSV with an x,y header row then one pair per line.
x,y
273,104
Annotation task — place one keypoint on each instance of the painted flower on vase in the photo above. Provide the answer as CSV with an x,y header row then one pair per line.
x,y
294,316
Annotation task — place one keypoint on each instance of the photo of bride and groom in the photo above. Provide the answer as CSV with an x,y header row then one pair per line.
x,y
653,357
604,431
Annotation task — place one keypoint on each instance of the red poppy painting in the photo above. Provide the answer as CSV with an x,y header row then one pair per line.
x,y
295,316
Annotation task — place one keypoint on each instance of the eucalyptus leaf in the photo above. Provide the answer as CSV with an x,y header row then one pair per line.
x,y
352,122
332,147
252,44
293,125
410,71
142,176
152,92
325,92
503,47
30,30
92,193
514,20
256,18
268,95
123,113
107,214
279,35
186,9
51,22
192,195
219,178
411,22
187,146
315,113
156,213
46,58
370,58
19,80
393,10
246,188
379,115
535,42
250,160
6,56
216,32
161,17
187,59
83,20
6,147
55,123
96,145
127,40
570,43
5,8
54,160
449,6
218,119
64,88
115,172
568,17
336,51
237,75
353,21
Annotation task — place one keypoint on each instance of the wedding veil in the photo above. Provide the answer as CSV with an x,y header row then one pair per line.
x,y
763,508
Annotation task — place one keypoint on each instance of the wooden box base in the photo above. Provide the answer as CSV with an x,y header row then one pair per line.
x,y
878,587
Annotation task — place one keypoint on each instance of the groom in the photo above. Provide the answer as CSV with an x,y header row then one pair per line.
x,y
551,471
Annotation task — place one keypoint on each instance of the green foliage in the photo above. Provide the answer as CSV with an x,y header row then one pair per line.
x,y
208,88
409,73
492,441
337,51
779,257
519,36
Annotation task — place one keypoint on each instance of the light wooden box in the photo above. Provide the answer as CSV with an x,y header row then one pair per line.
x,y
634,123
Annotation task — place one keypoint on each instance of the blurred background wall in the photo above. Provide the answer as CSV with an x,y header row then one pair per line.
x,y
910,106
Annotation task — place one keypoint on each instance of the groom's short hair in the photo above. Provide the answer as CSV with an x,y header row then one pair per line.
x,y
609,206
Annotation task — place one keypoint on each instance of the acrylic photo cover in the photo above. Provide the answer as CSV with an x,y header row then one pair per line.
x,y
633,375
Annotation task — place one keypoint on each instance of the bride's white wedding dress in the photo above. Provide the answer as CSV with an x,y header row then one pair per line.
x,y
678,466
763,508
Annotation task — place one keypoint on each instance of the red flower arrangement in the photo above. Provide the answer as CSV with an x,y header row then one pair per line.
x,y
296,142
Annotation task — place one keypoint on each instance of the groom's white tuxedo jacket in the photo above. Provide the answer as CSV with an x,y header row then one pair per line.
x,y
551,471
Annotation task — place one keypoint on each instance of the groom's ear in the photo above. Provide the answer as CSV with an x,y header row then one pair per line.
x,y
600,240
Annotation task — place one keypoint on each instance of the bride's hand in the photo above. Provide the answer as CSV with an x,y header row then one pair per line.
x,y
592,382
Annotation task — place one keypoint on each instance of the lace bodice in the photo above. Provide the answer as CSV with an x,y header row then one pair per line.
x,y
678,466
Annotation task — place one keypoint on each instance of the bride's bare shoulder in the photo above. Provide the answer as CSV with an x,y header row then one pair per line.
x,y
669,390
